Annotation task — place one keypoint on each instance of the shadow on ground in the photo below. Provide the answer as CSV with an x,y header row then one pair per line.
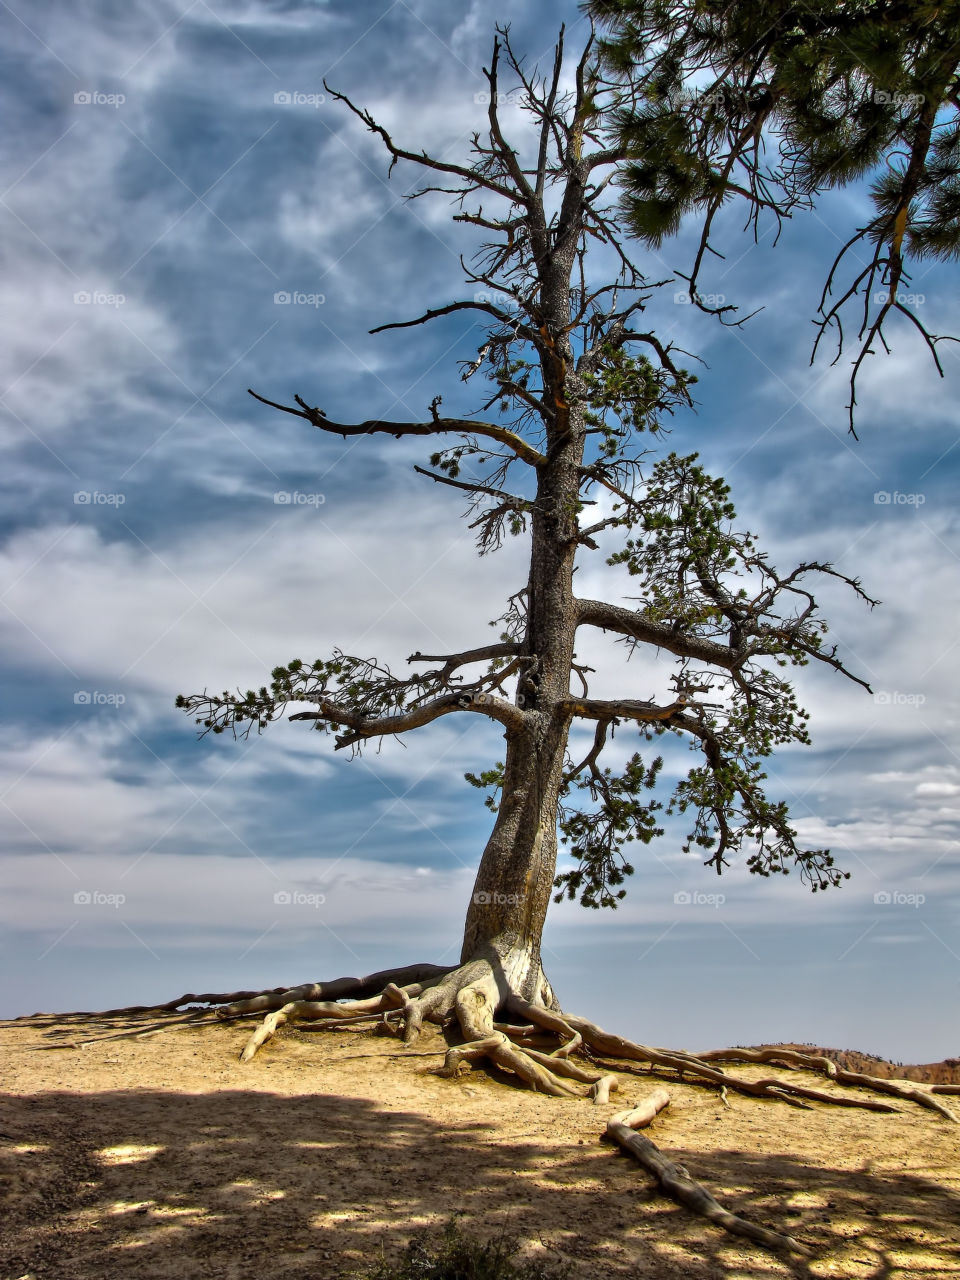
x,y
146,1183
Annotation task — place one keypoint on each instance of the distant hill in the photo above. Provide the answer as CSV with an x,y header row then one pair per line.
x,y
946,1072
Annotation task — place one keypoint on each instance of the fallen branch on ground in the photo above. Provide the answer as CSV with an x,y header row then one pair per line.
x,y
676,1182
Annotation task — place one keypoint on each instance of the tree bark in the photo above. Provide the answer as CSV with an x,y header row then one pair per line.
x,y
515,879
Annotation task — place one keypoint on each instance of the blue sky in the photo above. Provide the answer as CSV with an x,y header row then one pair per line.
x,y
146,231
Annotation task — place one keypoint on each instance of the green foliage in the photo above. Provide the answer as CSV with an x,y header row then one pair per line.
x,y
362,685
630,389
842,87
456,1256
596,838
492,779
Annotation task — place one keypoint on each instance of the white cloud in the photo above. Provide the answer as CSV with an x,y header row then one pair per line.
x,y
226,607
175,900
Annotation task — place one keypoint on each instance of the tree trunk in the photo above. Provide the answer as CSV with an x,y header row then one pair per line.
x,y
515,879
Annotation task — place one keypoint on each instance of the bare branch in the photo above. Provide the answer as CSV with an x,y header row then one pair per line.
x,y
472,176
632,623
453,661
607,711
438,426
465,305
513,502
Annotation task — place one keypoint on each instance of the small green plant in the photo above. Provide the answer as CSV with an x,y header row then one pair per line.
x,y
451,1255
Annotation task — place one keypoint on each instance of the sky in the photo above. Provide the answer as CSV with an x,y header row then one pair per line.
x,y
187,213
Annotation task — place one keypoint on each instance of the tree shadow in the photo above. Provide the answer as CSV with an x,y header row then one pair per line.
x,y
240,1183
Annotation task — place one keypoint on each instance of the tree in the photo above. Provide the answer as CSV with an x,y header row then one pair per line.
x,y
842,88
583,394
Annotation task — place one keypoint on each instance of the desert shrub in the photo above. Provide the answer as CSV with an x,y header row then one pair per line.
x,y
452,1255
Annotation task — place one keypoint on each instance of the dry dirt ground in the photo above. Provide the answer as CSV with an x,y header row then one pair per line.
x,y
165,1158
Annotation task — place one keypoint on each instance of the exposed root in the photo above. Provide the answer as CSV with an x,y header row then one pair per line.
x,y
676,1181
338,989
478,998
550,1022
392,997
475,1006
907,1089
697,1070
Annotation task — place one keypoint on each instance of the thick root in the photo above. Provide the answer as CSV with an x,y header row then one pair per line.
x,y
698,1070
392,997
676,1181
475,1006
539,1051
907,1089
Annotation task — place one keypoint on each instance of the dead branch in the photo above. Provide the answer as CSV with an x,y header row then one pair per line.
x,y
676,1182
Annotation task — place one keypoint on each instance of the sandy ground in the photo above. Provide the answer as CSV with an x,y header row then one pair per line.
x,y
166,1158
